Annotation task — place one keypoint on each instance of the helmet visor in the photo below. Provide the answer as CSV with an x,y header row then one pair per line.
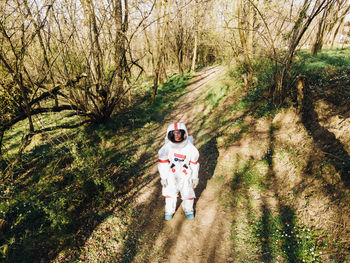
x,y
176,136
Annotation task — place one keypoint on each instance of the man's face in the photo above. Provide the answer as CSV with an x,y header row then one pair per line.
x,y
177,136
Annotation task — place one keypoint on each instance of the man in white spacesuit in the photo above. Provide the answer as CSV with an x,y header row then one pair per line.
x,y
178,168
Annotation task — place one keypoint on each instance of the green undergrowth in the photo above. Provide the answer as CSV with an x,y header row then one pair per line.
x,y
327,73
144,112
67,181
323,64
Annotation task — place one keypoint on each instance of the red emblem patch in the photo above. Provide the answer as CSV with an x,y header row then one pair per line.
x,y
180,156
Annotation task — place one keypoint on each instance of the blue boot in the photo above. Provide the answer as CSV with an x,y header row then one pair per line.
x,y
168,217
189,216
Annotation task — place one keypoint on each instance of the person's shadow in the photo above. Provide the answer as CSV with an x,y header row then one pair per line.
x,y
208,155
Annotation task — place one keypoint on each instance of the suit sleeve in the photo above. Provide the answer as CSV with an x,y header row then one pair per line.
x,y
194,164
163,162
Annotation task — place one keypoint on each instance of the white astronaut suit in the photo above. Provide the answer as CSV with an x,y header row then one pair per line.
x,y
178,167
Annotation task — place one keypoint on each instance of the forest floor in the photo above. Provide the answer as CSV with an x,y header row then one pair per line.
x,y
273,187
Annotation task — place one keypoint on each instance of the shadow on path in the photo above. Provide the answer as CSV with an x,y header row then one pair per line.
x,y
208,159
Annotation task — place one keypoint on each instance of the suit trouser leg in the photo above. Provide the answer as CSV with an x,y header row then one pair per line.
x,y
187,205
170,205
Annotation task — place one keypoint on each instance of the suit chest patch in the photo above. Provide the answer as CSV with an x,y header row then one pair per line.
x,y
179,157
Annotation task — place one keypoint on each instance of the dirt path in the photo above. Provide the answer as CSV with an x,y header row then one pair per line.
x,y
265,185
204,239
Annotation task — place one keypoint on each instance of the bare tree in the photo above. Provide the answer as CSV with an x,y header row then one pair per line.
x,y
332,15
63,61
245,21
180,39
102,44
201,9
196,22
306,14
338,20
159,44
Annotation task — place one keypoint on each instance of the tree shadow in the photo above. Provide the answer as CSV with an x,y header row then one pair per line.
x,y
289,242
146,225
283,222
266,232
326,141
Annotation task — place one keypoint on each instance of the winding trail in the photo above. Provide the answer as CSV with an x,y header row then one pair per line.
x,y
204,239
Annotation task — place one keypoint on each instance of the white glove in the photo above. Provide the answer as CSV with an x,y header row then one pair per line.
x,y
195,182
164,182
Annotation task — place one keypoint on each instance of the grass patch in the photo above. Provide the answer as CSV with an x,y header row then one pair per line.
x,y
282,237
256,97
216,94
328,72
326,61
260,235
144,112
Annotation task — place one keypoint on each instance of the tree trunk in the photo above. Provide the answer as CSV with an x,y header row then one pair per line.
x,y
3,163
158,52
155,86
119,47
43,48
341,22
179,62
318,44
96,65
1,137
250,17
27,107
244,36
278,91
336,33
163,74
194,52
194,57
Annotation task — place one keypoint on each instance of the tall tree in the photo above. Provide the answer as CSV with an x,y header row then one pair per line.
x,y
317,46
338,19
306,14
159,44
196,24
245,21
